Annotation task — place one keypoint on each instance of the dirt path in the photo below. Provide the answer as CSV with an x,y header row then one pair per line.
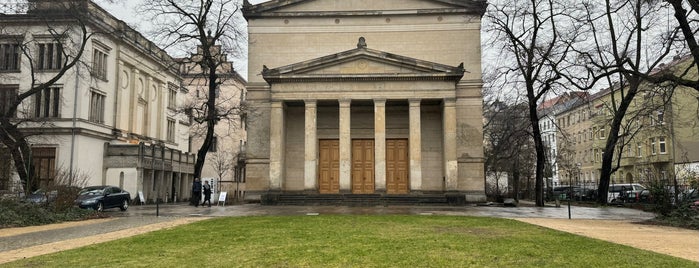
x,y
28,252
672,241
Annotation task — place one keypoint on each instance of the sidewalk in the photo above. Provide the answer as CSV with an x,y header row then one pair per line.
x,y
601,223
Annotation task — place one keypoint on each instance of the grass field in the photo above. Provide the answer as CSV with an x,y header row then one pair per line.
x,y
356,241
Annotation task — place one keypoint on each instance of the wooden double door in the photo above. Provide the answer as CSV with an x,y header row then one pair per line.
x,y
397,166
363,177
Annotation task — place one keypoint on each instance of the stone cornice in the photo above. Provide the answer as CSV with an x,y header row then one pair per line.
x,y
275,9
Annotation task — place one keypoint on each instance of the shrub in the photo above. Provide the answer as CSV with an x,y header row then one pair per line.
x,y
18,214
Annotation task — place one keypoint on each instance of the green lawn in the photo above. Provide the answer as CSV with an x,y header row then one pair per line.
x,y
356,241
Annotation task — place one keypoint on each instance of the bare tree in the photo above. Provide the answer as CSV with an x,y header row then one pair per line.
x,y
687,15
210,28
222,163
531,33
508,138
620,35
67,34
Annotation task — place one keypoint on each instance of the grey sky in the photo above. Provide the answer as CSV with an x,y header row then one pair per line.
x,y
126,10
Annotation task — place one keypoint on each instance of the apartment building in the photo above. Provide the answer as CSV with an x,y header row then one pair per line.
x,y
658,136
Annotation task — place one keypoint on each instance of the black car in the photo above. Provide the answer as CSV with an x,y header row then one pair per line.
x,y
103,197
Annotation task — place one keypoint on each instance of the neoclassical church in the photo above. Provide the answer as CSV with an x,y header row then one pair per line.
x,y
363,97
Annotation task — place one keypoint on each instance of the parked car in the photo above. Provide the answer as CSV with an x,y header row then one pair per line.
x,y
42,197
49,196
563,192
625,192
103,197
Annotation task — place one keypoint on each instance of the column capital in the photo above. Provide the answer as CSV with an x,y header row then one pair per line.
x,y
276,104
449,102
310,102
380,102
414,102
136,71
345,103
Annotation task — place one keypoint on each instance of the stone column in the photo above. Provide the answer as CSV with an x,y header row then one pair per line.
x,y
449,144
118,95
276,146
380,145
345,146
415,146
311,147
150,112
136,89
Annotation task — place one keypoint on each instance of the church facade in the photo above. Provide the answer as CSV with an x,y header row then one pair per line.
x,y
365,97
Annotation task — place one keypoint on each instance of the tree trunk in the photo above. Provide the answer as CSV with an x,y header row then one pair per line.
x,y
539,147
211,116
515,178
19,150
612,139
687,31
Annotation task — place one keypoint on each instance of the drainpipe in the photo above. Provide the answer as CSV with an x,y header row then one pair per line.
x,y
75,122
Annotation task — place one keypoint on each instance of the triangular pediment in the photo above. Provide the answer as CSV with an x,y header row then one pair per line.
x,y
363,63
290,8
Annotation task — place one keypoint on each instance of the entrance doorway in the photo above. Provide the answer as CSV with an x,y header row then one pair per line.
x,y
329,166
362,166
397,166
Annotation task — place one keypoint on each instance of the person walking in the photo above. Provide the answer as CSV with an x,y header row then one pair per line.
x,y
207,193
196,192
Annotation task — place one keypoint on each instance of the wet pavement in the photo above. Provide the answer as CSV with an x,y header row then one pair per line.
x,y
524,211
137,216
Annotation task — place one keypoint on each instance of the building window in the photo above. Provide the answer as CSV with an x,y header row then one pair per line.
x,y
99,64
663,148
172,98
50,56
629,151
8,95
44,160
170,130
47,102
661,118
601,133
214,144
97,107
652,146
639,150
9,57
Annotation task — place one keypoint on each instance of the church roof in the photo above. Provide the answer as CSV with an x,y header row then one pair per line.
x,y
411,69
274,8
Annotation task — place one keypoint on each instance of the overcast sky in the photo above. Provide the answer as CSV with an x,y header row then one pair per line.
x,y
126,10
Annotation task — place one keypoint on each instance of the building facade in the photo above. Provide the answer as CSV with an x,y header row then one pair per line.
x,y
365,97
550,123
658,136
110,117
224,166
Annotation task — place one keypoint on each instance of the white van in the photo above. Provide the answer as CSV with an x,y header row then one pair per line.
x,y
633,189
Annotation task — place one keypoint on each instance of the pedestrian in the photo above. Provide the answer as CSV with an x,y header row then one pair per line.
x,y
207,193
196,192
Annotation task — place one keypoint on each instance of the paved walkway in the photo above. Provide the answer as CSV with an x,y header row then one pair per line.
x,y
17,243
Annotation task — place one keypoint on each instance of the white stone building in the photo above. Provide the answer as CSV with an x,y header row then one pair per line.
x,y
110,117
